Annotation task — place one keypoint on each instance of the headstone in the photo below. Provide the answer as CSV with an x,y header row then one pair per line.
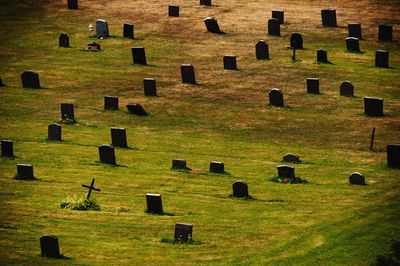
x,y
154,203
54,132
373,106
183,232
72,4
328,17
217,167
286,171
30,79
356,179
355,30
173,11
279,15
129,31
187,72
205,2
111,103
322,56
352,44
178,164
262,51
7,148
150,87
230,62
381,58
139,55
107,154
274,27
296,41
385,32
393,155
118,137
49,246
276,97
136,109
291,158
63,40
24,171
212,25
347,89
67,111
240,189
1,83
313,85
102,28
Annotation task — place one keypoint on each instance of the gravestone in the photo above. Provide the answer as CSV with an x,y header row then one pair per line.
x,y
129,31
90,188
136,109
373,106
385,33
286,171
262,51
205,2
328,17
63,40
111,103
393,155
72,4
49,246
296,41
139,55
1,83
291,158
274,27
313,85
118,137
173,11
30,79
178,164
187,73
352,44
7,148
67,111
212,25
276,97
279,15
149,85
102,28
183,232
381,58
356,179
322,56
24,171
154,203
347,89
107,154
217,167
355,30
54,132
240,189
230,62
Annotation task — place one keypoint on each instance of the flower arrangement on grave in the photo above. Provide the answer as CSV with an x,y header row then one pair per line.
x,y
287,180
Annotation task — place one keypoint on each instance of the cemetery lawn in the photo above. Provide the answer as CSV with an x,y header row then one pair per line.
x,y
226,117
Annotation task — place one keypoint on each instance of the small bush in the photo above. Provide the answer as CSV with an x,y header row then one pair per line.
x,y
80,204
285,180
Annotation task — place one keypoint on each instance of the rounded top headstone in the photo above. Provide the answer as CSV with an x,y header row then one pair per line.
x,y
291,158
357,178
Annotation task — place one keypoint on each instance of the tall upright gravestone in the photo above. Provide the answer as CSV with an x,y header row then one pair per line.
x,y
24,171
149,85
346,89
274,27
107,154
111,102
173,11
212,25
72,4
49,246
240,189
393,155
381,58
230,62
352,44
128,30
102,29
286,171
67,111
312,85
154,203
328,18
385,32
139,55
322,56
276,97
262,51
355,30
279,15
7,149
54,132
296,40
30,79
63,40
183,232
187,73
118,137
373,106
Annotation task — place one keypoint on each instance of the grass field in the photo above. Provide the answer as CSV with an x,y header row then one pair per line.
x,y
226,117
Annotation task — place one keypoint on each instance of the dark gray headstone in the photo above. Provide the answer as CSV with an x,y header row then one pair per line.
x,y
322,56
352,44
129,31
7,148
291,158
217,167
313,85
286,171
212,25
154,203
356,179
355,30
72,4
118,137
230,62
296,40
183,232
49,246
30,79
67,111
385,32
187,72
381,58
276,97
111,103
136,109
262,51
102,29
54,132
393,155
328,17
1,83
107,154
274,27
373,106
279,15
24,171
179,164
205,2
173,11
139,55
346,89
240,189
149,85
63,40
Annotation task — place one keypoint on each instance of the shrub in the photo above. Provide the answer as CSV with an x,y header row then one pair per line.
x,y
80,204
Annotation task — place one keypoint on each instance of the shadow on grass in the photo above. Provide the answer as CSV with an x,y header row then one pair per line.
x,y
17,177
168,240
160,214
60,257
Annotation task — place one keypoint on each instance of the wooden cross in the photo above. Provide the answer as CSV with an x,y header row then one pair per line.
x,y
91,187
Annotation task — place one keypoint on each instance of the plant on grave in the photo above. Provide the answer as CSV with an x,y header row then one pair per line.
x,y
80,204
287,180
67,121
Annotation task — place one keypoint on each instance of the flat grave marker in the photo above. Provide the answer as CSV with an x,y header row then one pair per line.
x,y
205,2
136,109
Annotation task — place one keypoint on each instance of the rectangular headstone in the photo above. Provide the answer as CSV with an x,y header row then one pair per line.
x,y
128,31
173,11
313,85
354,30
205,2
63,40
154,203
346,89
72,4
187,73
212,25
286,171
25,171
179,164
230,62
393,155
118,137
183,232
7,148
217,167
67,111
279,15
102,29
30,79
49,246
296,40
373,106
274,27
107,154
240,189
328,17
262,51
276,97
139,55
111,103
381,58
322,56
352,44
149,85
54,132
385,32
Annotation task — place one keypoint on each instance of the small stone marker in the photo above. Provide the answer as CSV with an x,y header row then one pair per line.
x,y
63,40
240,189
385,32
173,11
286,171
328,17
154,203
93,47
313,85
7,148
393,155
91,187
205,2
262,51
149,85
230,62
111,103
30,79
352,44
355,30
279,15
217,167
54,132
274,27
139,55
49,246
212,25
72,4
187,73
381,58
183,232
129,31
136,109
347,89
291,158
102,29
373,106
179,164
107,154
67,111
322,56
118,137
24,171
296,40
276,97
356,179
